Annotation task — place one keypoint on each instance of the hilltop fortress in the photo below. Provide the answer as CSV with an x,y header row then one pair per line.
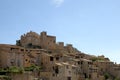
x,y
38,57
42,41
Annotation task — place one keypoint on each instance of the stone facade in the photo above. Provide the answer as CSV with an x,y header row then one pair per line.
x,y
11,55
58,62
34,40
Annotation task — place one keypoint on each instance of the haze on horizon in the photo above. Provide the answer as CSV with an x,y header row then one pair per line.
x,y
92,26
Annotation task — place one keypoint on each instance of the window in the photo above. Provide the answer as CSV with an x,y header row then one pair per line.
x,y
76,56
11,49
56,70
81,62
53,74
57,58
26,59
22,49
89,76
68,78
51,58
85,75
78,62
49,51
54,41
41,63
67,66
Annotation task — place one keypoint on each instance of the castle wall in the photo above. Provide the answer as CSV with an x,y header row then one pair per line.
x,y
30,38
34,40
60,45
47,42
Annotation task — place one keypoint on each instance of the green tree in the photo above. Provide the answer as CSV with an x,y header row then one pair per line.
x,y
106,75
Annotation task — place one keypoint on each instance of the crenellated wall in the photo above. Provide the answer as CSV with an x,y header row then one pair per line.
x,y
34,40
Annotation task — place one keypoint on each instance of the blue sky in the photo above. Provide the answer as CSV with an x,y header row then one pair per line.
x,y
92,26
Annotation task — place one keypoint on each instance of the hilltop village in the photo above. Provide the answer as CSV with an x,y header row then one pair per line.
x,y
39,57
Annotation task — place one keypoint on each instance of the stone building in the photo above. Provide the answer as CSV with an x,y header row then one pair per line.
x,y
11,55
34,40
58,61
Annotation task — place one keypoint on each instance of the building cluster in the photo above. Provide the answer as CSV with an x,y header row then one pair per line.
x,y
57,61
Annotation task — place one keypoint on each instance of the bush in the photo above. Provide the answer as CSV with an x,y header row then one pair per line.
x,y
117,78
32,68
106,75
14,69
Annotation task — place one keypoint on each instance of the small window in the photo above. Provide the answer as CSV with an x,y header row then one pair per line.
x,y
67,67
56,70
51,58
54,41
76,56
69,78
49,51
78,62
11,49
81,62
22,49
26,59
85,75
53,74
57,58
89,76
41,63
